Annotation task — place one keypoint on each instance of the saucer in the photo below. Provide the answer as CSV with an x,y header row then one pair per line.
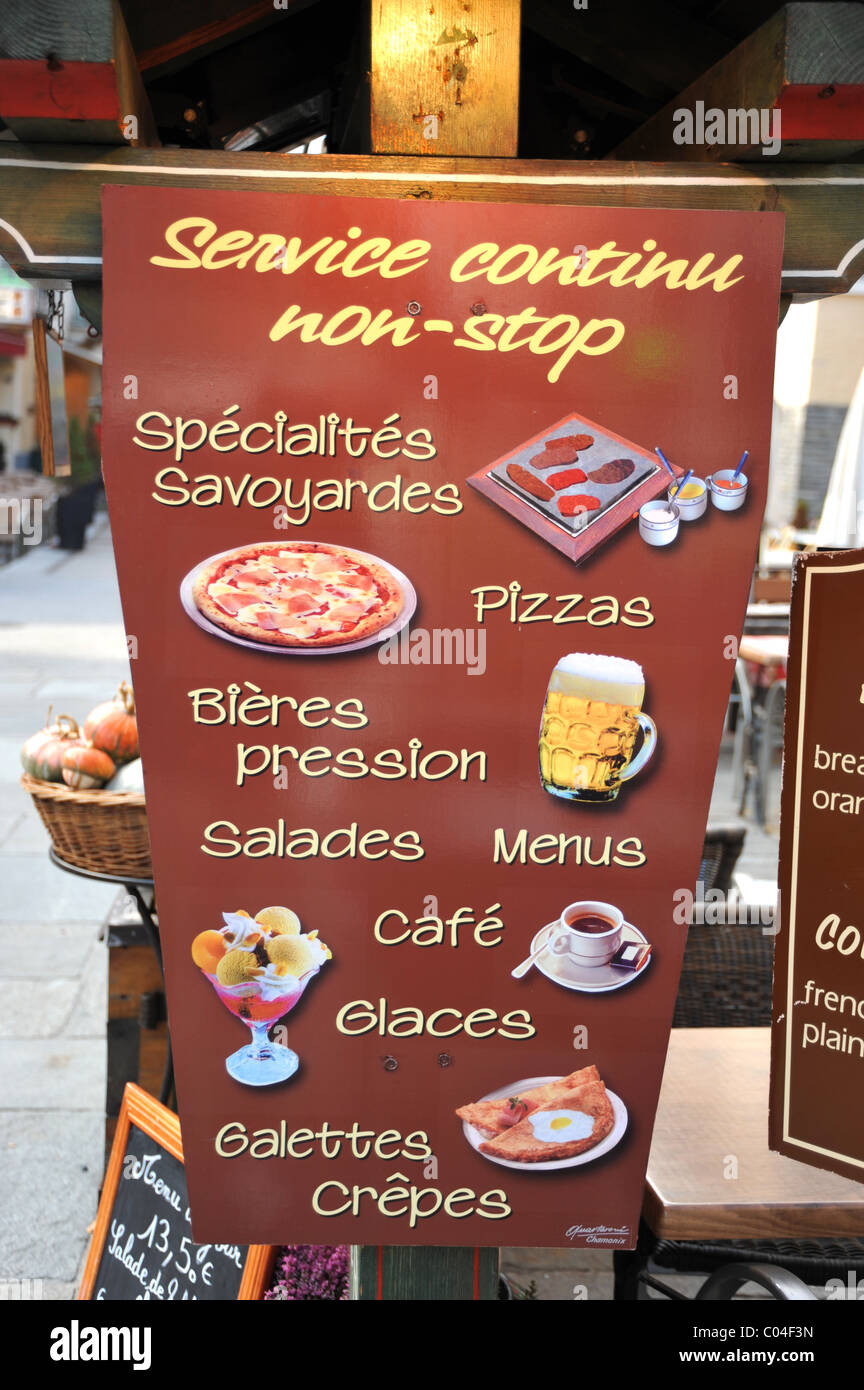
x,y
589,979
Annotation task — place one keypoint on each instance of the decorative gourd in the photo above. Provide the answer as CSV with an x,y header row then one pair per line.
x,y
34,743
128,778
47,759
112,727
85,767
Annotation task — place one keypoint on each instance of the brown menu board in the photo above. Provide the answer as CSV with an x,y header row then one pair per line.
x,y
817,1040
422,784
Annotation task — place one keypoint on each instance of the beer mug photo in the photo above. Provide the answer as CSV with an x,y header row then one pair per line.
x,y
592,722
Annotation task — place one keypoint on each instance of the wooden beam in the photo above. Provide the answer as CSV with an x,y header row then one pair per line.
x,y
806,62
171,34
50,224
445,77
131,95
168,36
79,33
71,75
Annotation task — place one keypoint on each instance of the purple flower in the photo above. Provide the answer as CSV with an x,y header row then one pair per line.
x,y
310,1272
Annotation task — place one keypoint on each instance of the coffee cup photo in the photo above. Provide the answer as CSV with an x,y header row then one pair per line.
x,y
592,931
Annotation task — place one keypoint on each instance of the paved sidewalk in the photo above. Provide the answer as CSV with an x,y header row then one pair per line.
x,y
61,644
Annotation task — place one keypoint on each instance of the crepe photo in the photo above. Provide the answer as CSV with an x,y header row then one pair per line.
x,y
298,597
545,1123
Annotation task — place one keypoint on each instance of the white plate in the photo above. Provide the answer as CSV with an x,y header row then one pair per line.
x,y
588,979
615,1135
409,606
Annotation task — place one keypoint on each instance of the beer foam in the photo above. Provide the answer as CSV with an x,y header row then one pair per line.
x,y
592,676
594,666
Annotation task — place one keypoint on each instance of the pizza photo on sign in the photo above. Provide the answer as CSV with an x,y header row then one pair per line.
x,y
298,596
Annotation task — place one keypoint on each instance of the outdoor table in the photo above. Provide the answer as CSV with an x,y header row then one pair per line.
x,y
777,559
763,617
133,886
713,1108
767,650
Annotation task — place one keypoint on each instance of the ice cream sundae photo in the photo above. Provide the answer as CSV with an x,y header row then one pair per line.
x,y
259,967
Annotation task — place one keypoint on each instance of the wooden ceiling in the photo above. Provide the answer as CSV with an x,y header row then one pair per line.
x,y
589,77
592,77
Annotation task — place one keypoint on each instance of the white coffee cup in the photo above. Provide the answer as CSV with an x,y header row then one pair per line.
x,y
592,946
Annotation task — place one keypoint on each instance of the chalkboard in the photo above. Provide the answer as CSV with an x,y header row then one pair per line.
x,y
142,1247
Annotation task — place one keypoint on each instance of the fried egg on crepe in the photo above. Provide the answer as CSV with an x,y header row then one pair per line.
x,y
493,1117
564,1127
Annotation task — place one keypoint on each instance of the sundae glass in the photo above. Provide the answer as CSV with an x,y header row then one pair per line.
x,y
259,967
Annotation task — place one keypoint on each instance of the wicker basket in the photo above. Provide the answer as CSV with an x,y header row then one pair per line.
x,y
102,832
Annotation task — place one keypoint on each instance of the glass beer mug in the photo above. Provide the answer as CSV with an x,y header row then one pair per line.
x,y
592,720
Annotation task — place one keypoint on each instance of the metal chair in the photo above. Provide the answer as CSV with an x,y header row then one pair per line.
x,y
726,978
739,718
720,852
725,1282
730,1263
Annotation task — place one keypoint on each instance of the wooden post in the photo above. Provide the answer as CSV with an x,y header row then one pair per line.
x,y
70,74
423,1274
445,77
51,423
804,67
445,81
